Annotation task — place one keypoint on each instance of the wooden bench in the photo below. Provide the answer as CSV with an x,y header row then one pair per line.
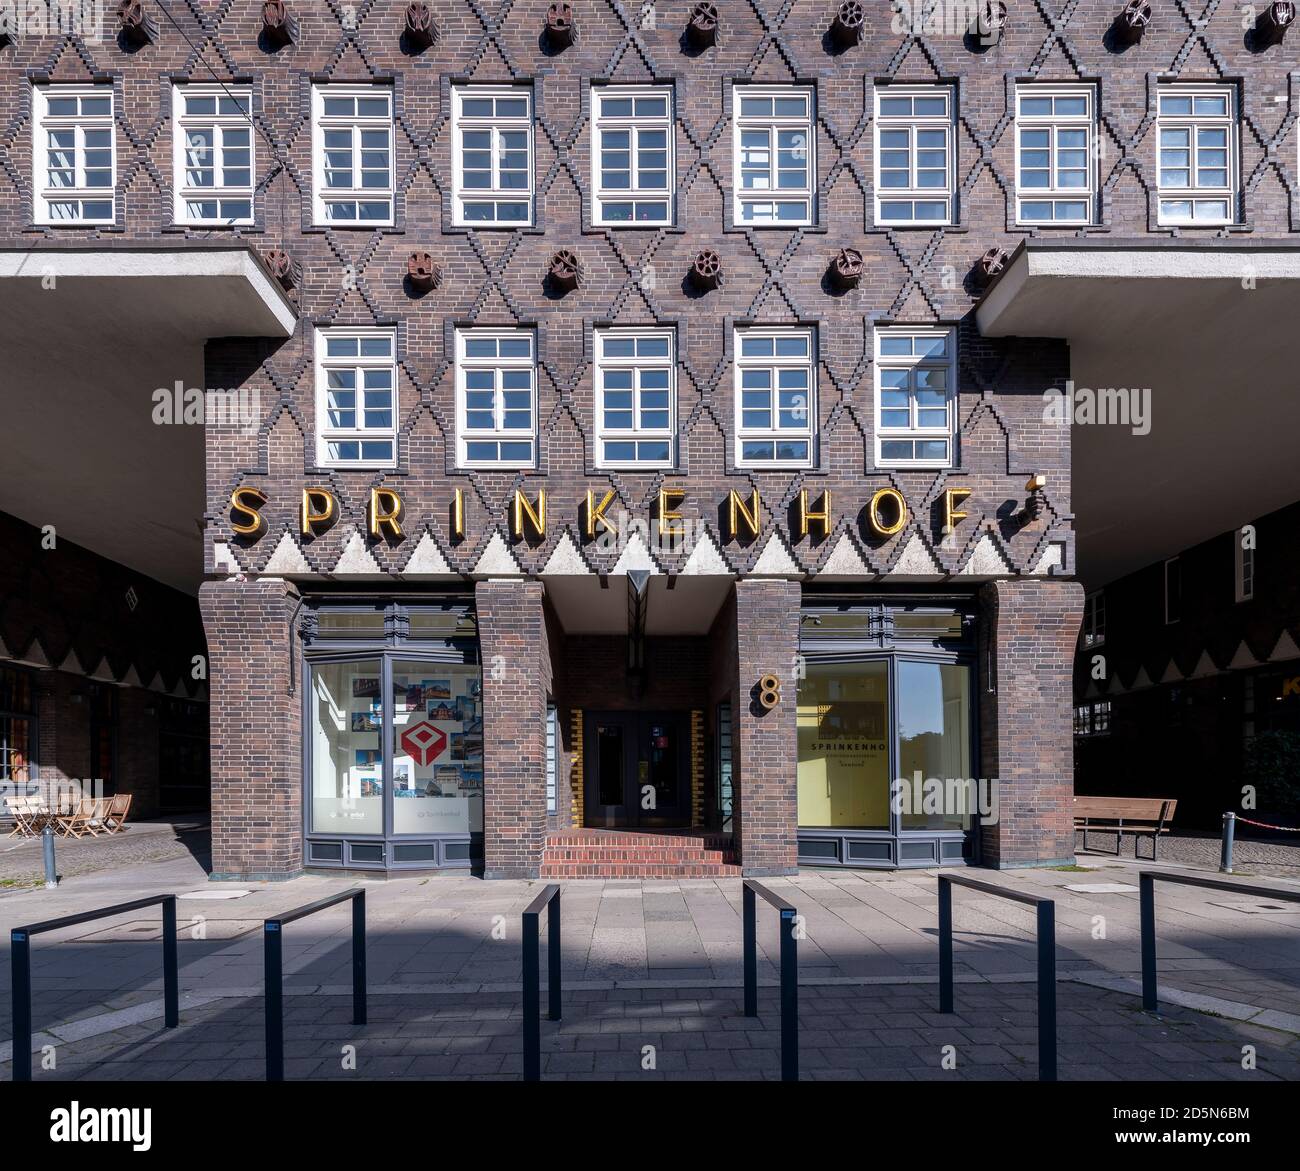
x,y
1139,816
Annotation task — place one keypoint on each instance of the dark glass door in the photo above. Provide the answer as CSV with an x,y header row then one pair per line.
x,y
638,769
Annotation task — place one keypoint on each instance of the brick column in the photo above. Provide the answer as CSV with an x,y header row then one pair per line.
x,y
765,742
1028,631
516,675
256,728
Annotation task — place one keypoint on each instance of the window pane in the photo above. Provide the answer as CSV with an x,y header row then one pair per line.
x,y
347,759
934,739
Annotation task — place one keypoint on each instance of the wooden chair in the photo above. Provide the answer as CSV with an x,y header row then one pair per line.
x,y
86,819
115,818
28,814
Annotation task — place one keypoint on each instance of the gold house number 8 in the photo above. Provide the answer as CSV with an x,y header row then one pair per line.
x,y
769,692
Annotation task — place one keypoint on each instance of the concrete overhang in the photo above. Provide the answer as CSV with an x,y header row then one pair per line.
x,y
89,331
1206,327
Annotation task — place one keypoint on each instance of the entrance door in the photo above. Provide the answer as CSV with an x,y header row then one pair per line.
x,y
638,769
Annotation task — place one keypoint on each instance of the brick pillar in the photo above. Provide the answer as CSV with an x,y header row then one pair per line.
x,y
1028,631
516,675
765,742
256,729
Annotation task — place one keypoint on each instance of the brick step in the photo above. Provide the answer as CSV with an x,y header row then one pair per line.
x,y
639,870
646,841
615,854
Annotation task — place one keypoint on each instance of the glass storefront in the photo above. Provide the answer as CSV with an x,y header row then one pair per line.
x,y
395,736
886,733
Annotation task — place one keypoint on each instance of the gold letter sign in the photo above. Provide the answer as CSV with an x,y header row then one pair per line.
x,y
385,512
318,508
255,523
596,513
951,498
873,512
736,512
822,516
670,499
535,516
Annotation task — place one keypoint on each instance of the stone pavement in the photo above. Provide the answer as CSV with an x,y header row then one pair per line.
x,y
444,970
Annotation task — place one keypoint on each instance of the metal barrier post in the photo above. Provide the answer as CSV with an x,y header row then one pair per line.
x,y
751,951
273,961
945,945
47,849
532,1009
20,965
1047,992
359,959
171,967
789,999
553,956
1229,832
1147,910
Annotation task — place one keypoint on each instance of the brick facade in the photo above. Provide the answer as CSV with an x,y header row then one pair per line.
x,y
767,642
256,727
1028,632
516,681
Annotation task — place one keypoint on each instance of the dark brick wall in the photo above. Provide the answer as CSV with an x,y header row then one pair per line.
x,y
766,805
1027,635
256,729
1186,738
516,680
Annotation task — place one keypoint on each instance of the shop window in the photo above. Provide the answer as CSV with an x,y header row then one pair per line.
x,y
934,741
356,397
1094,619
775,397
213,158
74,154
774,164
347,748
635,409
493,156
352,147
18,737
1055,136
725,793
915,397
552,756
843,737
632,155
914,155
1244,565
1197,148
1173,590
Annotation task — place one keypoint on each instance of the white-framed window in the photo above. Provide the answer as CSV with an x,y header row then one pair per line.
x,y
635,398
74,154
1197,129
633,173
1173,590
552,756
774,165
356,397
1055,165
496,398
213,154
1094,619
914,155
1244,565
776,400
492,156
916,395
352,145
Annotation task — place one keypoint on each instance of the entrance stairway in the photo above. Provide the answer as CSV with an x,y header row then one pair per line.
x,y
612,853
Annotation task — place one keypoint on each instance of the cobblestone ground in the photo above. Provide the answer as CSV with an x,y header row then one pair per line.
x,y
22,860
1280,859
879,1033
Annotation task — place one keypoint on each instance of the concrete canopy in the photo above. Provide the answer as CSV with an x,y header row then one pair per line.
x,y
1208,326
89,330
